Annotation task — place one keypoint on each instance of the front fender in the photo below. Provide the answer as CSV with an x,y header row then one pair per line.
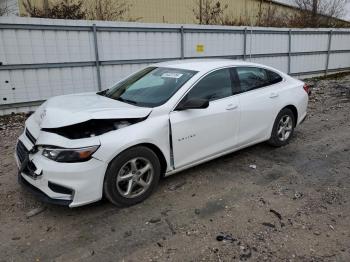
x,y
153,130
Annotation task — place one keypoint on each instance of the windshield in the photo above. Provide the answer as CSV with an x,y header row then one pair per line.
x,y
150,87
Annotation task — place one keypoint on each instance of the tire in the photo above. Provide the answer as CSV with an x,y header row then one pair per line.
x,y
141,166
286,120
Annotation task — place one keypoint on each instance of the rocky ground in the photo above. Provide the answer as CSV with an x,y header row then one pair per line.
x,y
262,203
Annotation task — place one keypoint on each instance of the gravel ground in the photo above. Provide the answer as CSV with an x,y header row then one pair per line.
x,y
294,206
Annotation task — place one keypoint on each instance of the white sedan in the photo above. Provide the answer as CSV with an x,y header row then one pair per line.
x,y
168,117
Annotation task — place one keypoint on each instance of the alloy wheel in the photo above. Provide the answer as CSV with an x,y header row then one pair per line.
x,y
285,128
135,177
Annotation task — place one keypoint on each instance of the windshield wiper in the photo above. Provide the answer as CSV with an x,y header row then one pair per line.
x,y
126,100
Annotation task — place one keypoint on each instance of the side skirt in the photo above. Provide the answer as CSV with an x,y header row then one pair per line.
x,y
171,172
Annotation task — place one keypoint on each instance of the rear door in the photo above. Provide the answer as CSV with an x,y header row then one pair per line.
x,y
259,103
201,133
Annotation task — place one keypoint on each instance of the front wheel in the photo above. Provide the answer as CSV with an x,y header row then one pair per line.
x,y
283,128
132,176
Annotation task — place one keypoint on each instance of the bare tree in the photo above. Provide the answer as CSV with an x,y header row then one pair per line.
x,y
7,7
209,12
31,9
3,9
272,17
269,15
231,20
78,9
64,9
335,8
110,10
332,8
320,12
46,7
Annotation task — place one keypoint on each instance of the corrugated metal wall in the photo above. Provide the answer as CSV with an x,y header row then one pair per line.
x,y
41,58
215,44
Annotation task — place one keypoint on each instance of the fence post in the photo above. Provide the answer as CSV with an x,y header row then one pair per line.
x,y
182,43
245,44
289,51
329,50
97,59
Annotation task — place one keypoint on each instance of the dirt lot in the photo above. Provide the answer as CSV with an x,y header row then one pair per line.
x,y
295,206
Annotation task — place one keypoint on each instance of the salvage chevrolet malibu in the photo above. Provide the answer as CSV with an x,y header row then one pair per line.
x,y
118,143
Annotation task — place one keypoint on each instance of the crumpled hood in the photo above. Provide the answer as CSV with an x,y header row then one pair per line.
x,y
72,109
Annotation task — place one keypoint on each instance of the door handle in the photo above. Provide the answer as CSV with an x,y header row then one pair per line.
x,y
274,95
231,107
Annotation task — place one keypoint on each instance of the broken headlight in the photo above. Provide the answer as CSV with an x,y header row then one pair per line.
x,y
69,155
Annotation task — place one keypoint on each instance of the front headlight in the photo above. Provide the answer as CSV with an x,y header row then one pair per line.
x,y
69,155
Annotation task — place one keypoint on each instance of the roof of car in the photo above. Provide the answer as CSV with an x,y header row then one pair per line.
x,y
203,64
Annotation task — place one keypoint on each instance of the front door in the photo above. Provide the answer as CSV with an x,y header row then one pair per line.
x,y
201,133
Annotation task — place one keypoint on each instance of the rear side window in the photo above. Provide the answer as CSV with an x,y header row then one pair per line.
x,y
253,77
214,86
274,78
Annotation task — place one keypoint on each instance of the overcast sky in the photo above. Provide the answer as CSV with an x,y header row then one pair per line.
x,y
347,16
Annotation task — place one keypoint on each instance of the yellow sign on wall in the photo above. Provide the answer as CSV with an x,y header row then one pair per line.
x,y
200,48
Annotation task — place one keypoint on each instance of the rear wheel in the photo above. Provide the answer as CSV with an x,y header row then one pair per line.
x,y
283,128
132,176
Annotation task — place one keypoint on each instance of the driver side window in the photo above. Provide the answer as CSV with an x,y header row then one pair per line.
x,y
214,86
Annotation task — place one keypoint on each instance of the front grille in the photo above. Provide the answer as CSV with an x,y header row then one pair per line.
x,y
31,168
21,151
27,166
30,136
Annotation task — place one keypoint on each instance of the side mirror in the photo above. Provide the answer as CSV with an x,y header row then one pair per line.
x,y
195,103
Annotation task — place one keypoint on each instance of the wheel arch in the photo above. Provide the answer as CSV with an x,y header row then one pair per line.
x,y
295,112
155,149
160,155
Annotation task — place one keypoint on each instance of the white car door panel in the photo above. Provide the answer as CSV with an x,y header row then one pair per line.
x,y
200,133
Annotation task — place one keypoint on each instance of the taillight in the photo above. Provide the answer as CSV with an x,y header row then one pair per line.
x,y
307,89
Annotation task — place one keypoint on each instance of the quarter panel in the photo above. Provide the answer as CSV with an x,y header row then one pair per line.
x,y
258,112
294,94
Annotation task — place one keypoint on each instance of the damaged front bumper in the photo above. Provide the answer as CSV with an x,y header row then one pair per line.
x,y
71,184
40,194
